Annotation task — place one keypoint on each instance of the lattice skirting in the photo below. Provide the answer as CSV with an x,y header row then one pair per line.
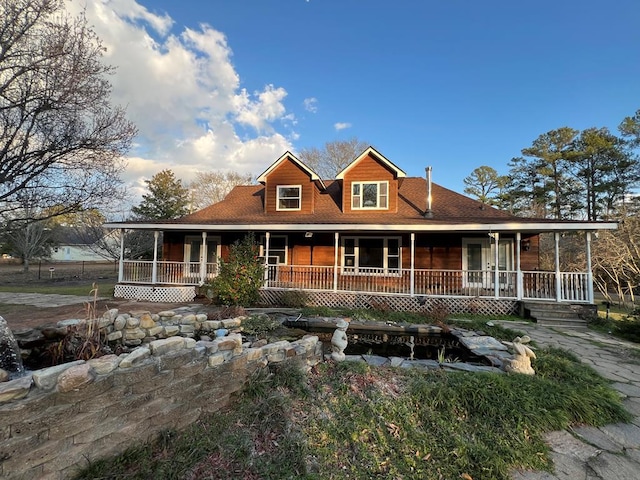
x,y
476,305
155,294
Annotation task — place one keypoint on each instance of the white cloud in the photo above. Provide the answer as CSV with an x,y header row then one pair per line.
x,y
310,104
183,93
341,125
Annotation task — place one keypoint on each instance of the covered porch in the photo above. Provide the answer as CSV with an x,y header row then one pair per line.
x,y
401,275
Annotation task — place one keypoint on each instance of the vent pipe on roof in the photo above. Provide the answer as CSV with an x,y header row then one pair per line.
x,y
428,213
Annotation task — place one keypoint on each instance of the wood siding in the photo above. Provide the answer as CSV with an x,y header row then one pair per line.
x,y
289,173
369,169
432,251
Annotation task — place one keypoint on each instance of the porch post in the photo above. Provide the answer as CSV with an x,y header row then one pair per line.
x,y
154,271
496,272
557,262
203,258
121,266
519,277
413,257
267,237
589,272
336,236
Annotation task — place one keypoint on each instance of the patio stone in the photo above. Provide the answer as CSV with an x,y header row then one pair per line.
x,y
609,466
598,438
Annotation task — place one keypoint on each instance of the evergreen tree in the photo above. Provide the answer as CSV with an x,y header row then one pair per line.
x,y
167,198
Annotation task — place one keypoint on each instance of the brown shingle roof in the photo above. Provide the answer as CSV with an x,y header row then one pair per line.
x,y
244,205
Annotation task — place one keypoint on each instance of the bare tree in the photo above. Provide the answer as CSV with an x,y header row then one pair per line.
x,y
333,157
60,137
212,187
27,239
616,259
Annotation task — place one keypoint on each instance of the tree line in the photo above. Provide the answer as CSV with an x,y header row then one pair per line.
x,y
566,174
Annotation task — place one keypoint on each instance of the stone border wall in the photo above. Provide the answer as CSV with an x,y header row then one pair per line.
x,y
54,421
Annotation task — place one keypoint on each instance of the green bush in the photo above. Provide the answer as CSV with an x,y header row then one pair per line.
x,y
240,277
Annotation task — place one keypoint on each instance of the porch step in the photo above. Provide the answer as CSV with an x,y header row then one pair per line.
x,y
561,315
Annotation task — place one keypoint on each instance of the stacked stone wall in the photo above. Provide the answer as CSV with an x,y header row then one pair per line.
x,y
56,420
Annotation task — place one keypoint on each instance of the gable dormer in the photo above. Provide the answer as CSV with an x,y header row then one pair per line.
x,y
290,186
370,184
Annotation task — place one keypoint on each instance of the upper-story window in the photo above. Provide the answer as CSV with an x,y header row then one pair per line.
x,y
369,195
289,197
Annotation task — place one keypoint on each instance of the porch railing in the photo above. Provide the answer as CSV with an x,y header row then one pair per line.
x,y
475,283
535,285
168,273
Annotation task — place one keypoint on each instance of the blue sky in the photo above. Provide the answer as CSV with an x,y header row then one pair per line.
x,y
454,84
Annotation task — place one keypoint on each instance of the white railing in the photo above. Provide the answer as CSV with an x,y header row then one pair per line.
x,y
573,286
168,273
398,281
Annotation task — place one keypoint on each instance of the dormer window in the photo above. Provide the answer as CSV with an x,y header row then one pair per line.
x,y
369,195
289,197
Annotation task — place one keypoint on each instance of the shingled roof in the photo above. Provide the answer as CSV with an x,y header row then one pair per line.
x,y
245,205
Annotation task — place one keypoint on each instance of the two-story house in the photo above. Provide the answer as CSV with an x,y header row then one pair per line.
x,y
370,234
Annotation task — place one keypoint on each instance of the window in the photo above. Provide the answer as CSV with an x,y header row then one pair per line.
x,y
289,197
369,195
277,249
373,255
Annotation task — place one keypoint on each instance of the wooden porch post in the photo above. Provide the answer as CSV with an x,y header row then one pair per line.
x,y
557,261
154,271
496,272
203,258
336,236
589,272
267,237
519,277
121,266
413,257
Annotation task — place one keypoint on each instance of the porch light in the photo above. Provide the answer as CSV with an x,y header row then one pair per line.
x,y
308,234
526,244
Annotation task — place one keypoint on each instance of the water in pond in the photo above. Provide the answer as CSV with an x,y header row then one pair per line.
x,y
375,338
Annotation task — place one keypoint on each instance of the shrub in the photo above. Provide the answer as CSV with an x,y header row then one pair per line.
x,y
240,277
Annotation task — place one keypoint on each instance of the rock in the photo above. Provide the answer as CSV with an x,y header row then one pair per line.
x,y
201,317
231,322
146,321
4,375
71,322
111,314
15,389
259,343
166,345
155,331
188,319
171,330
211,325
134,334
120,322
166,313
187,329
47,378
114,336
76,377
190,343
137,356
133,322
105,364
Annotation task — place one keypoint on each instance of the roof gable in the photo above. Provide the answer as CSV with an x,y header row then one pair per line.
x,y
288,156
372,152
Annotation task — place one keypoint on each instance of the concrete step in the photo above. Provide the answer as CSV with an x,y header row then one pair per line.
x,y
577,323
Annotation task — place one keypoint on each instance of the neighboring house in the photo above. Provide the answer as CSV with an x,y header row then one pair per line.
x,y
72,247
371,235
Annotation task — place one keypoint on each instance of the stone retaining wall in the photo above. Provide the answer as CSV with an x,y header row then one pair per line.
x,y
53,421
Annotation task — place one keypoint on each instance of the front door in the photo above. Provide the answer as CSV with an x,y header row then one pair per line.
x,y
193,255
475,262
